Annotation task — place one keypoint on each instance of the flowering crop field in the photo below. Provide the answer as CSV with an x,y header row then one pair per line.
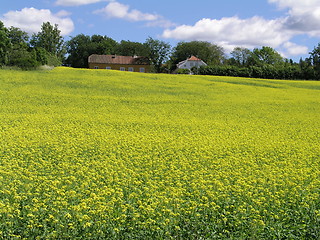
x,y
96,154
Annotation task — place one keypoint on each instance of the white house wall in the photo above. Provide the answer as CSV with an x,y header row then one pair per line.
x,y
190,64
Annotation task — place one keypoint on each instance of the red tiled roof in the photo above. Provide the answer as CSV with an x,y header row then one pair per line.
x,y
115,59
193,58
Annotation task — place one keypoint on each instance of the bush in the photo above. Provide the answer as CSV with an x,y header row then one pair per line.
x,y
53,60
265,71
23,59
46,58
183,71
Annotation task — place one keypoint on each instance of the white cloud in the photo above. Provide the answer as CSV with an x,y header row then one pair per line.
x,y
294,4
293,49
303,16
63,13
230,32
161,22
118,10
76,2
31,19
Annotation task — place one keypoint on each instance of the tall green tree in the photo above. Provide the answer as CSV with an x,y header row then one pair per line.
x,y
212,54
78,50
314,60
265,55
128,48
158,52
82,46
103,45
240,56
5,44
50,39
18,37
19,51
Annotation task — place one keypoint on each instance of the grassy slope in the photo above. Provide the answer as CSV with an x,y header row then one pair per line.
x,y
106,153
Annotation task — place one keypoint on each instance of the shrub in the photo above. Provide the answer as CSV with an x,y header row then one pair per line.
x,y
183,71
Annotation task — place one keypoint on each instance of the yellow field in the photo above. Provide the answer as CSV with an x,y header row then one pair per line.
x,y
96,154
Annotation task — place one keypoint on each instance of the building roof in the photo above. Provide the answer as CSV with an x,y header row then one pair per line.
x,y
115,59
193,58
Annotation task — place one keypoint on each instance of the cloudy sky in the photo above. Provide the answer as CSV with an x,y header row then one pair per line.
x,y
292,27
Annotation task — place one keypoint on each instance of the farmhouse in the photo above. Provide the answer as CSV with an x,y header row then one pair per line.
x,y
122,63
190,63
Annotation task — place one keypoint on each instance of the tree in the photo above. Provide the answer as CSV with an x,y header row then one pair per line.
x,y
23,59
82,46
265,55
158,52
102,45
4,44
19,51
18,37
314,60
50,39
78,50
241,55
128,48
210,53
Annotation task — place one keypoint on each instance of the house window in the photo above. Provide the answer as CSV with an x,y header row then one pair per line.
x,y
191,64
96,67
108,68
142,70
122,68
130,69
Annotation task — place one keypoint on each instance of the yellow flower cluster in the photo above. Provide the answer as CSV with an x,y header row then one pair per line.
x,y
93,154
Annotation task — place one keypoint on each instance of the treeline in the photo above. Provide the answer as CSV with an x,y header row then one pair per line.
x,y
18,49
265,63
286,71
80,47
48,47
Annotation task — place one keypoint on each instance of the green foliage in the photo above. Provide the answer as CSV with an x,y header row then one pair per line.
x,y
128,48
18,37
158,52
210,53
4,45
42,56
23,59
53,60
91,154
265,55
183,71
102,45
315,61
240,56
82,46
17,51
265,71
50,39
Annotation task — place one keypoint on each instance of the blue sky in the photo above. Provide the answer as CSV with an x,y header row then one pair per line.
x,y
292,27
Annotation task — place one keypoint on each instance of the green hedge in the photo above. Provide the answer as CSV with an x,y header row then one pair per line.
x,y
265,71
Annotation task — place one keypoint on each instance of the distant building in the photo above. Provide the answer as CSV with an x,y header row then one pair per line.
x,y
122,63
190,63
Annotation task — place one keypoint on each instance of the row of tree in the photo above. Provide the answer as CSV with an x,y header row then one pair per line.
x,y
80,47
18,49
48,47
265,63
